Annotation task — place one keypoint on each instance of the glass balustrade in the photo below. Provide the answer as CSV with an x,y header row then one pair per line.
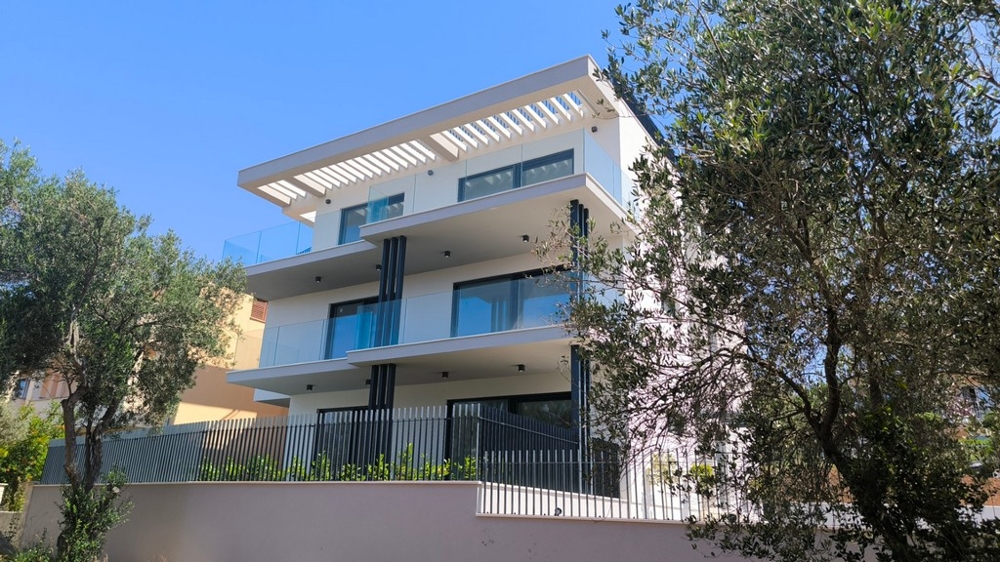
x,y
273,243
521,165
475,309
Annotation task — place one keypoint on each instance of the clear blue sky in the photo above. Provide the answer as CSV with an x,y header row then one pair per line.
x,y
167,101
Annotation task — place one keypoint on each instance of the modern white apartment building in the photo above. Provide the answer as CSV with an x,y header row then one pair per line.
x,y
410,277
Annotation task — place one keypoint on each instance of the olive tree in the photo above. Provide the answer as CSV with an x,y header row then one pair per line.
x,y
121,316
815,278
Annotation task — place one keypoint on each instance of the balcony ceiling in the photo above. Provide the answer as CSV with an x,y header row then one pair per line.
x,y
551,100
322,270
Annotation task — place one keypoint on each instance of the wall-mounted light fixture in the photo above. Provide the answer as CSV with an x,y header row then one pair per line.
x,y
368,382
309,388
327,201
525,238
444,374
593,129
447,253
378,267
430,172
520,368
319,278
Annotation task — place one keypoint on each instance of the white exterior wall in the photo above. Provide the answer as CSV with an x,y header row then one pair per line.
x,y
633,141
437,394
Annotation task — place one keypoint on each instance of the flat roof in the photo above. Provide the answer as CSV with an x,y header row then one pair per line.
x,y
556,98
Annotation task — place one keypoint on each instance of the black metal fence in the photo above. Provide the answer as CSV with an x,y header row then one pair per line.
x,y
354,445
525,466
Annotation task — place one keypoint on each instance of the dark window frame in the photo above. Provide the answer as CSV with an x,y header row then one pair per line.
x,y
353,439
389,200
518,171
512,400
510,277
328,352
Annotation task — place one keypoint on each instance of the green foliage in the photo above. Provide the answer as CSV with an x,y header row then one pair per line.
x,y
22,455
663,470
814,278
88,515
704,479
404,467
37,553
121,316
318,469
258,468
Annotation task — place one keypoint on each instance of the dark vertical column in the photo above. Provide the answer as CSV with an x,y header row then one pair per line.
x,y
390,291
576,226
580,379
381,392
374,381
579,223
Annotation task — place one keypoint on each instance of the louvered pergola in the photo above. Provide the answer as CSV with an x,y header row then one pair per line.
x,y
552,100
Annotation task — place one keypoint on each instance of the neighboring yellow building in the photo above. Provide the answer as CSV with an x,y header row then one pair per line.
x,y
211,397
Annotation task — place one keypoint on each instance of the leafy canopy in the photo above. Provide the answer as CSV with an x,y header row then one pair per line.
x,y
815,277
122,316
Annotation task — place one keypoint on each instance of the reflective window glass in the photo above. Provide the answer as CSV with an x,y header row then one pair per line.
x,y
488,183
351,327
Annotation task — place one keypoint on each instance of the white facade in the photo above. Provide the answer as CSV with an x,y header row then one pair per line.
x,y
462,191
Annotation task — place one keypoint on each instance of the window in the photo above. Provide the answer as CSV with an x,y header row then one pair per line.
x,y
351,326
511,302
517,175
339,435
353,218
258,311
21,389
554,409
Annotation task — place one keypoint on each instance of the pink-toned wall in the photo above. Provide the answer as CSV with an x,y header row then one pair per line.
x,y
332,521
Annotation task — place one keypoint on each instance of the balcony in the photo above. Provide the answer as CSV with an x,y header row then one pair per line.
x,y
516,167
484,177
479,308
269,244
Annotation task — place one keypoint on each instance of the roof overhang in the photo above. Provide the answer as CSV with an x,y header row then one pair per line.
x,y
555,99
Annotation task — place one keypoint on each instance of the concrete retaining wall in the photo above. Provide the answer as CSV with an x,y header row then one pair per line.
x,y
358,521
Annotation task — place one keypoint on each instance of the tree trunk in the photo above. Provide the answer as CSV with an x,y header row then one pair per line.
x,y
69,438
69,457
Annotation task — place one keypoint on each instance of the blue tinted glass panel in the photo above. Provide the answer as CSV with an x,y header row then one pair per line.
x,y
482,307
542,301
385,208
351,220
351,326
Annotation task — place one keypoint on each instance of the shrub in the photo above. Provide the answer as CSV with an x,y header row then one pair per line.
x,y
24,443
405,467
88,516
